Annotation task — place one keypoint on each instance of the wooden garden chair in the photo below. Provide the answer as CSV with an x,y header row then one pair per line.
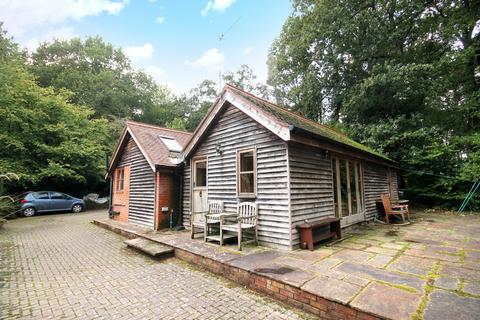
x,y
198,220
390,209
247,214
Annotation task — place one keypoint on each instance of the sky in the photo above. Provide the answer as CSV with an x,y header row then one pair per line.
x,y
175,41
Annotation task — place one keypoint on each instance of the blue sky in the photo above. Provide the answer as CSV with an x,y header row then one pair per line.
x,y
174,41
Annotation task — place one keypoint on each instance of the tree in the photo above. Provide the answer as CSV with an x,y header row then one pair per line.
x,y
400,76
46,140
99,75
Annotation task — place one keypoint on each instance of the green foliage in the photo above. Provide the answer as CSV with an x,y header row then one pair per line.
x,y
98,75
401,76
45,139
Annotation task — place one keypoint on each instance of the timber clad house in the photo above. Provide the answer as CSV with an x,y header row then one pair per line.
x,y
248,149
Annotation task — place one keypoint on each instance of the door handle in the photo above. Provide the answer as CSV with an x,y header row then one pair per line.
x,y
200,193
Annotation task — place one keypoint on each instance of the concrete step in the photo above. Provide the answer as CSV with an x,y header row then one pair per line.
x,y
149,247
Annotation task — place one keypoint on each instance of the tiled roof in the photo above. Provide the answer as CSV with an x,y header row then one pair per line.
x,y
148,138
298,121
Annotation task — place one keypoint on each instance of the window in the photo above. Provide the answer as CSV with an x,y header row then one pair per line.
x,y
171,144
58,196
347,187
246,173
120,179
200,179
41,195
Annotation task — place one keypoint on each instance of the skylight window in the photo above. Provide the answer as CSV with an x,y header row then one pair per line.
x,y
171,144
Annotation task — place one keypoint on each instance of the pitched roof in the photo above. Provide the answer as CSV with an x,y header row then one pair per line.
x,y
147,138
279,120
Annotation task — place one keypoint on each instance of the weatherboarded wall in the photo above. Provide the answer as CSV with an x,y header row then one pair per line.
x,y
233,131
141,204
311,188
377,182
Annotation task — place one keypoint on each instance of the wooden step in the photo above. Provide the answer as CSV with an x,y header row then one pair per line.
x,y
149,247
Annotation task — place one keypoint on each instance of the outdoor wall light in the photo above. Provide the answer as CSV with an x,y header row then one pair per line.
x,y
218,148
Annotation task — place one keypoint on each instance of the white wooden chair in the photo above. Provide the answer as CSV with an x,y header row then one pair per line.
x,y
198,220
247,213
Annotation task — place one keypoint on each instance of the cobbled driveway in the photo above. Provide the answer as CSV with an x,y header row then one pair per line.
x,y
62,266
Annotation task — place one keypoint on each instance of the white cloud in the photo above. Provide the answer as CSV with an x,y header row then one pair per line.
x,y
21,16
216,5
211,60
248,50
64,33
160,20
139,53
155,72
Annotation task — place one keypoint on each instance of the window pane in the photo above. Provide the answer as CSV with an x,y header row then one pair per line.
x,y
343,187
334,177
120,179
246,161
201,174
353,186
246,183
41,195
57,195
171,144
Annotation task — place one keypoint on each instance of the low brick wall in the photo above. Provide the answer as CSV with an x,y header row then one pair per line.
x,y
325,309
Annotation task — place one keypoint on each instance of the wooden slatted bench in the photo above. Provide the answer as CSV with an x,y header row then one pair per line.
x,y
311,233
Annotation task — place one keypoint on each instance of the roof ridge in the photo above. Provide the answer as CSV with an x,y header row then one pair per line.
x,y
156,127
289,111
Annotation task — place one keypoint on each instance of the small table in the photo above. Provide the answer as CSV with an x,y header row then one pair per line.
x,y
214,219
309,234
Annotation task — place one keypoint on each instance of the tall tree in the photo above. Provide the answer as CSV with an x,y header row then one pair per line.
x,y
401,76
46,140
98,74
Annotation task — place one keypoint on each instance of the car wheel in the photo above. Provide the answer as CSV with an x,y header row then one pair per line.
x,y
28,212
77,208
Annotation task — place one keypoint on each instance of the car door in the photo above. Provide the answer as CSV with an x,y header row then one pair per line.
x,y
59,201
41,201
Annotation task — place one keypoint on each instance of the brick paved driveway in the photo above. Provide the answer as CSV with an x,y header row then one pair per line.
x,y
61,266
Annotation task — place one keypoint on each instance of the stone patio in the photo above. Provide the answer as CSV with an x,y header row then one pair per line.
x,y
426,270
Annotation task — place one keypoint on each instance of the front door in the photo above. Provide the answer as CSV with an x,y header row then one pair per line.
x,y
348,191
199,184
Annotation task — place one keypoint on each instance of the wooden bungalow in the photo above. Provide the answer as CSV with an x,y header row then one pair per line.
x,y
294,169
144,179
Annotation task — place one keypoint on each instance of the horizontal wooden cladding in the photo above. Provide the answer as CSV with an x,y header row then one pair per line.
x,y
233,131
311,188
142,186
375,181
186,194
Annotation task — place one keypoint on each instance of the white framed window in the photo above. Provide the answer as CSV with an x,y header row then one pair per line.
x,y
247,173
120,179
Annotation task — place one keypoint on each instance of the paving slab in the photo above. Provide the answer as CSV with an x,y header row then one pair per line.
x,y
255,260
447,283
292,276
432,255
380,260
472,288
373,273
333,289
386,301
352,255
448,305
413,265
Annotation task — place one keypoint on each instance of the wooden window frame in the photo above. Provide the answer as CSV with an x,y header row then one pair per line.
x,y
359,184
193,177
120,171
244,194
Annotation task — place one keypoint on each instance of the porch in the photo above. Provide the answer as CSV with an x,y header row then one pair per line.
x,y
429,269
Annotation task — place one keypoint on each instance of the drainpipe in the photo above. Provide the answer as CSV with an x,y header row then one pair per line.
x,y
180,200
110,212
